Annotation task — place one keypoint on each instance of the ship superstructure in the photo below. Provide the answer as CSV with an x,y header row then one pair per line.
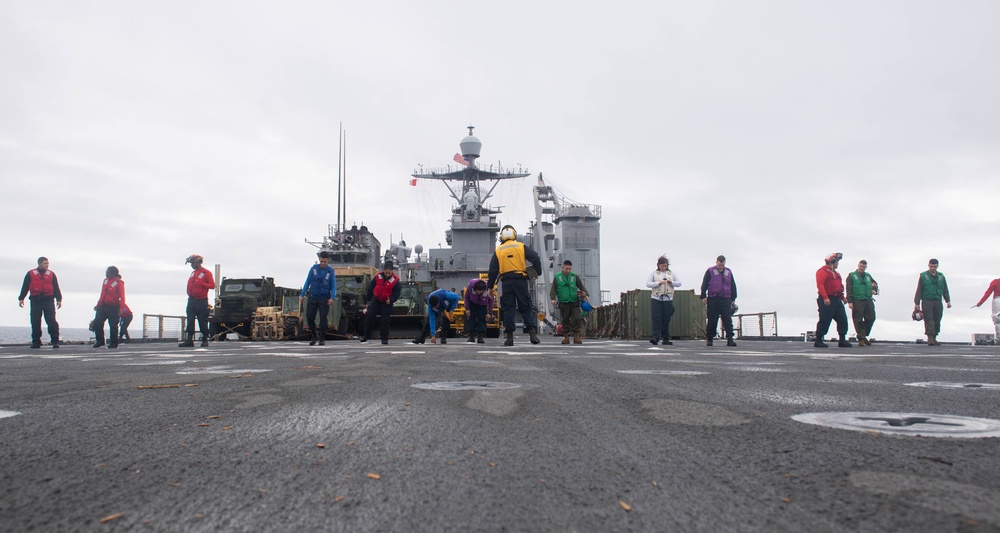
x,y
564,229
350,247
474,225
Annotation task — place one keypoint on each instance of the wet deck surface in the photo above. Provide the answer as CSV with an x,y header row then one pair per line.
x,y
606,436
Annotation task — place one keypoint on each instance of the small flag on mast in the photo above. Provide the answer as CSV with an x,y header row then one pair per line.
x,y
461,160
413,182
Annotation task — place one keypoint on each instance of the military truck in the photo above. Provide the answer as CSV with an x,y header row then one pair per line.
x,y
273,323
237,303
347,316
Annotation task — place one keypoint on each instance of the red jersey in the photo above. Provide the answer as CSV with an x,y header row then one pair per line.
x,y
199,283
993,289
829,284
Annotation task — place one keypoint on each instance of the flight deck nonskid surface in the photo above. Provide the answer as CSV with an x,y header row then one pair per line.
x,y
608,435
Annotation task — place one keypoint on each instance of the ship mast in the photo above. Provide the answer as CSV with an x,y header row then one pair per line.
x,y
471,199
474,225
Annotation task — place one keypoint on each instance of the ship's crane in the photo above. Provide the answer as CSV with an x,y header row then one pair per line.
x,y
564,229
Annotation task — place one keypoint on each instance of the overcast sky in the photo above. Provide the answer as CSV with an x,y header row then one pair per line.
x,y
137,133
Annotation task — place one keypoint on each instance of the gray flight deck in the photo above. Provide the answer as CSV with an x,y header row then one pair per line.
x,y
606,436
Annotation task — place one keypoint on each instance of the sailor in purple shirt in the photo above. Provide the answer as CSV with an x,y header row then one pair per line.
x,y
478,309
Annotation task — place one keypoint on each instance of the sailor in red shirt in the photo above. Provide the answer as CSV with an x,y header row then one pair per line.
x,y
831,301
993,289
199,283
108,306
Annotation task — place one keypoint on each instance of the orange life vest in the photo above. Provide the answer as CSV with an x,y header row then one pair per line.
x,y
41,283
383,287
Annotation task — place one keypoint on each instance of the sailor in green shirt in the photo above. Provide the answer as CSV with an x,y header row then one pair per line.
x,y
568,292
931,288
860,290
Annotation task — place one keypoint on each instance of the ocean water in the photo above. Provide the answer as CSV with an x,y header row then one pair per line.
x,y
22,335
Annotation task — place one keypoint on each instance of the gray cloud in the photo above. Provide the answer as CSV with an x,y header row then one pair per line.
x,y
774,132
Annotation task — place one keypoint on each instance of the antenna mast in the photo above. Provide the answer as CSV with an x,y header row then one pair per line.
x,y
345,182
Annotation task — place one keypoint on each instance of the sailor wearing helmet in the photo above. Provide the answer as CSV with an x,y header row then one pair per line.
x,y
509,265
199,283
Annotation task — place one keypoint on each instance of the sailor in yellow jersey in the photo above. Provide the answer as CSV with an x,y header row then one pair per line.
x,y
509,265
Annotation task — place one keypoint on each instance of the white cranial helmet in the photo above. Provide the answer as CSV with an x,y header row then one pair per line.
x,y
507,234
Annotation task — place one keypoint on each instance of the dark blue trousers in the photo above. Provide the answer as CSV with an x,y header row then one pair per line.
x,y
662,310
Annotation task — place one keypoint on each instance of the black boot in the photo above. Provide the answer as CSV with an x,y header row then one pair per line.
x,y
730,342
472,337
843,343
419,340
534,338
444,339
188,341
314,339
204,341
819,343
509,341
322,337
708,342
479,339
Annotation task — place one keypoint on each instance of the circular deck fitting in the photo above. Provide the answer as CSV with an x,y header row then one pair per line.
x,y
466,385
5,414
664,372
951,385
911,424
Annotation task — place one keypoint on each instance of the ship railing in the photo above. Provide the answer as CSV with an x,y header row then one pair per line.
x,y
498,169
162,327
578,210
460,262
756,325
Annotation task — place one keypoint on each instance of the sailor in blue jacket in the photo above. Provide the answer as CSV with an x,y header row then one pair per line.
x,y
438,302
321,288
